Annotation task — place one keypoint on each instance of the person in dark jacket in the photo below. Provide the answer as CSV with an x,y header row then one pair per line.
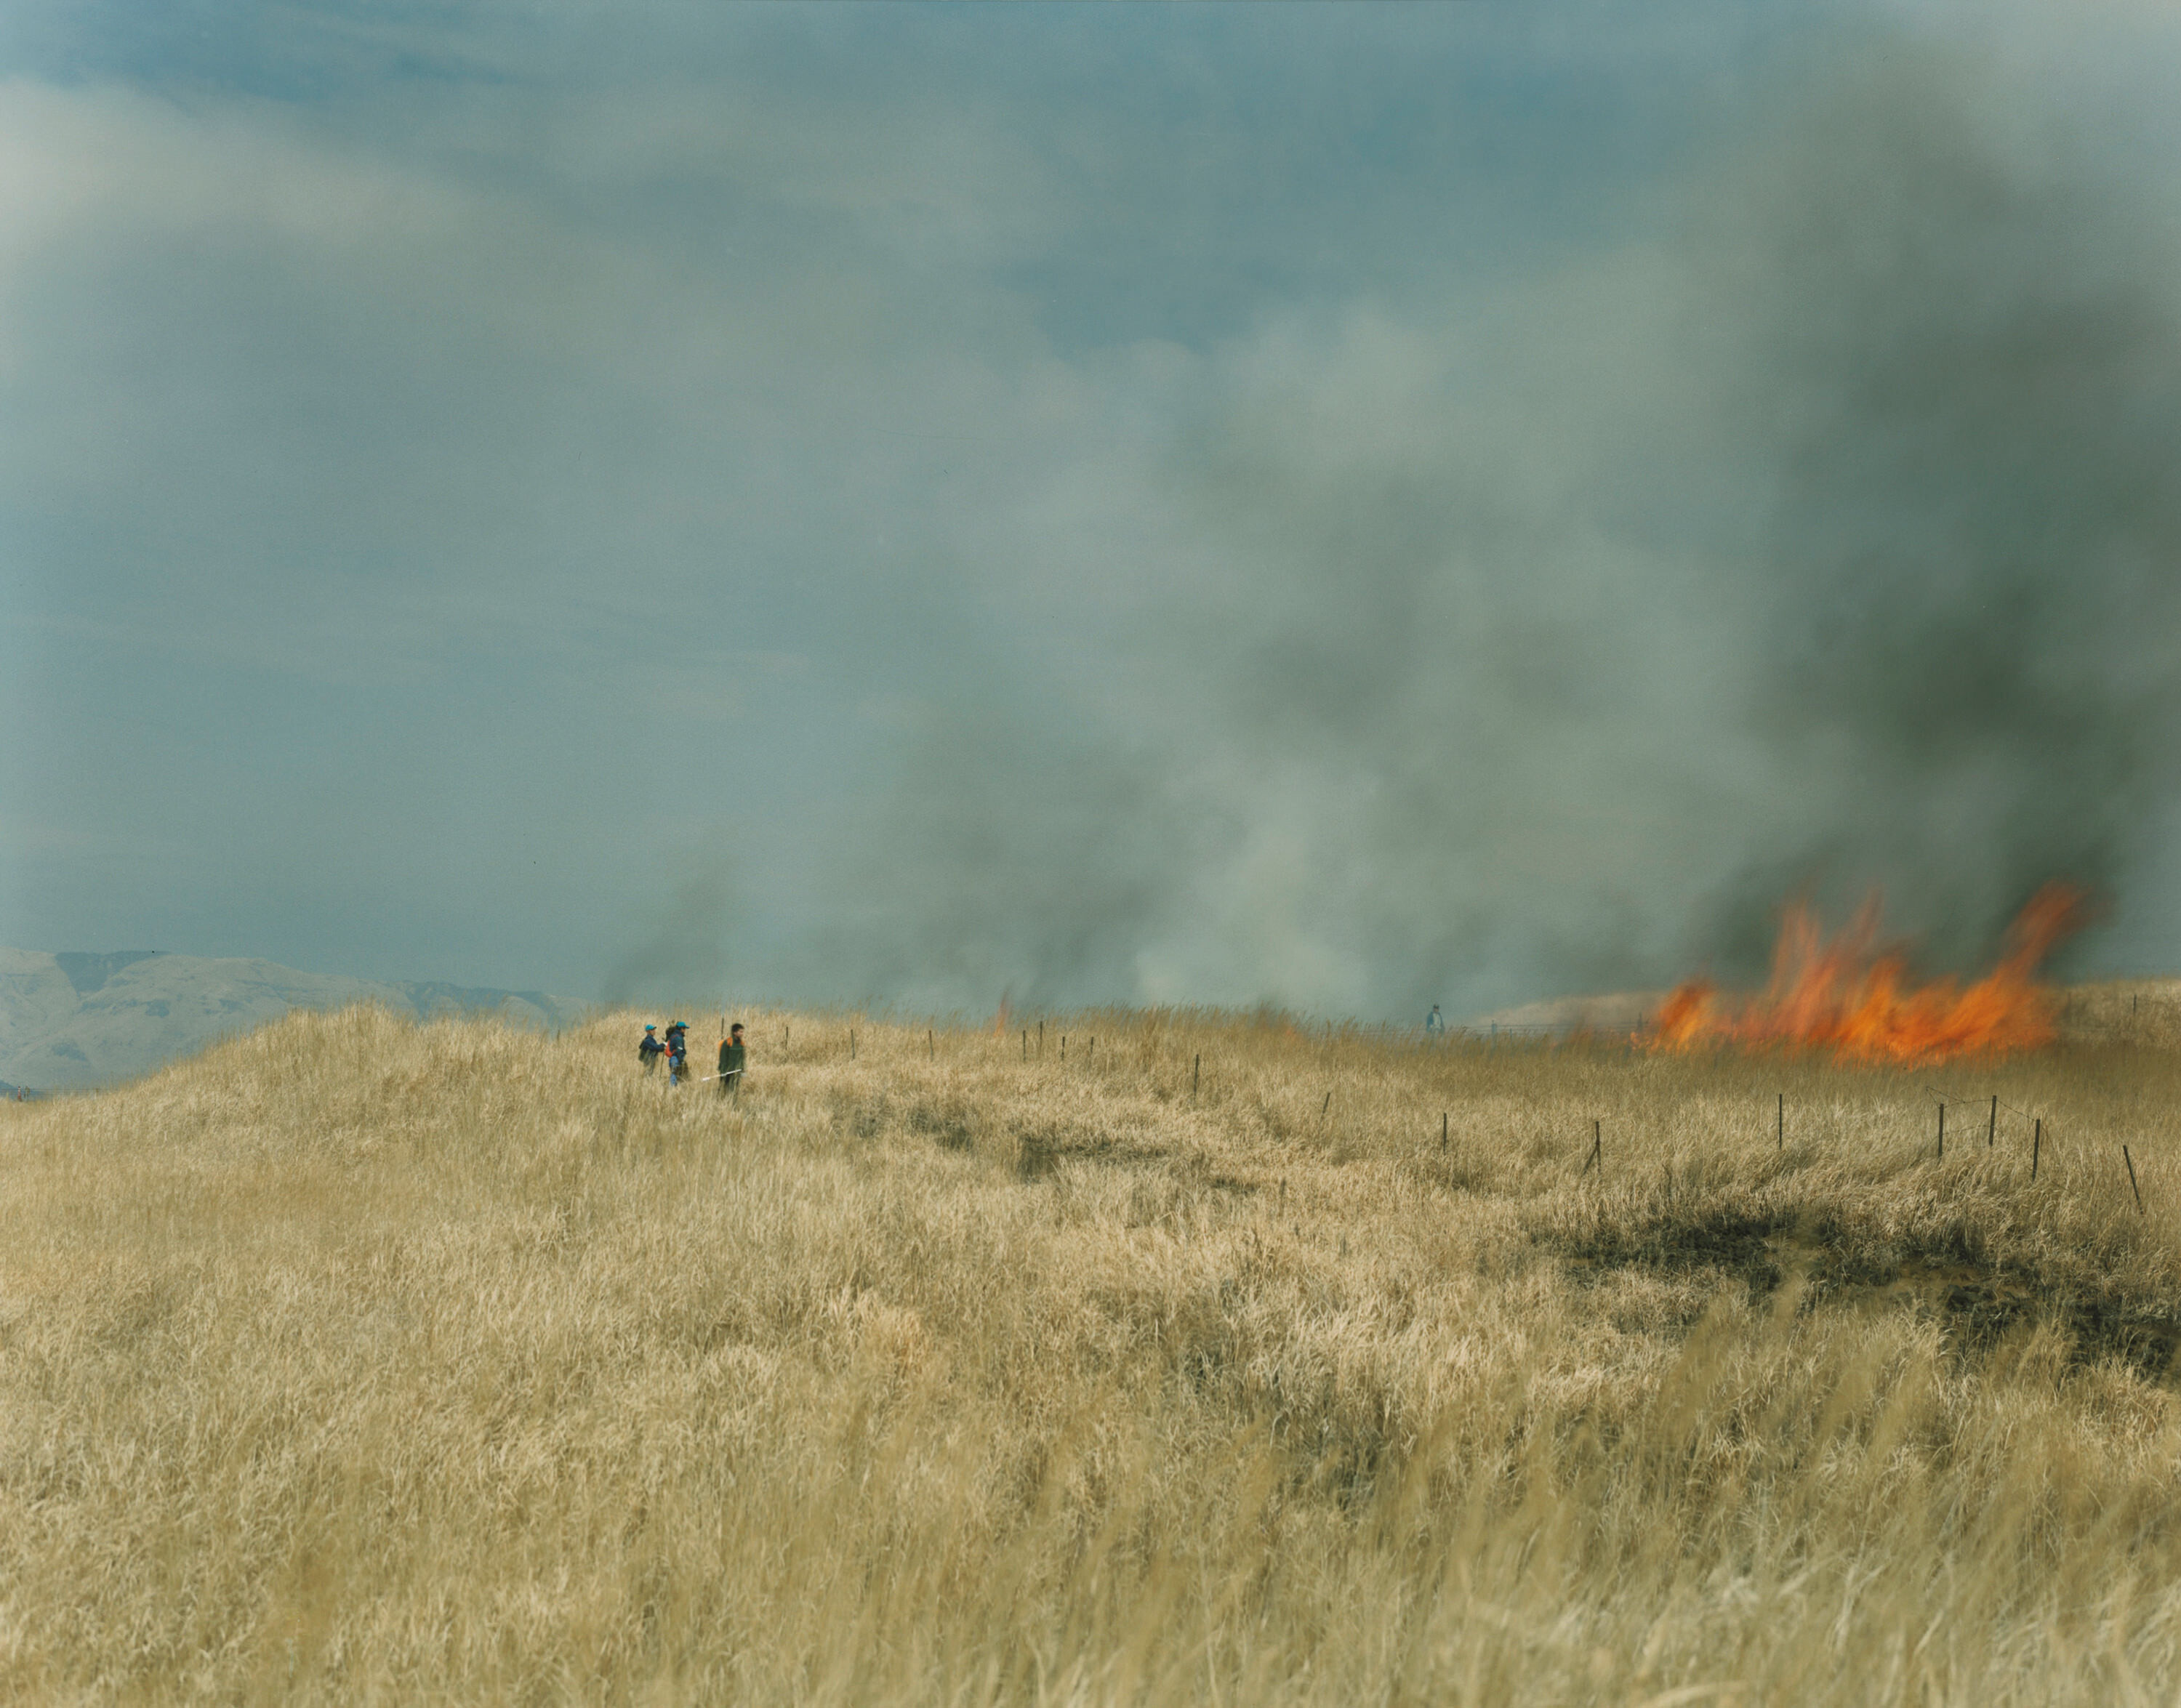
x,y
734,1057
650,1050
677,1051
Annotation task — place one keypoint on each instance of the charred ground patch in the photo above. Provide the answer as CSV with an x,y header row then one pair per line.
x,y
1737,1245
1978,1302
951,1127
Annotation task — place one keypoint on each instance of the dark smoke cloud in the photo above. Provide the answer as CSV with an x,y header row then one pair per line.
x,y
683,934
1821,539
1964,366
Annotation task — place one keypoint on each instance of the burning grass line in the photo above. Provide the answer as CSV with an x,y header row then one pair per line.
x,y
1853,998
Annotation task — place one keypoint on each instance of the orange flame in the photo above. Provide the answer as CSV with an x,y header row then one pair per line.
x,y
1845,997
1000,1019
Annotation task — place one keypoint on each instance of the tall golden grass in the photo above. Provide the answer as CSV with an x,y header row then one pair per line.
x,y
357,1360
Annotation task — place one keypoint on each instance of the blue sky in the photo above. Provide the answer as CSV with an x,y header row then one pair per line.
x,y
1113,504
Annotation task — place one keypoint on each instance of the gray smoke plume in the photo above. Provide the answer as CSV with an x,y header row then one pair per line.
x,y
1964,368
683,950
1821,537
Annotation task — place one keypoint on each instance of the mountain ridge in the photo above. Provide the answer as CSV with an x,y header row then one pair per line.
x,y
72,1020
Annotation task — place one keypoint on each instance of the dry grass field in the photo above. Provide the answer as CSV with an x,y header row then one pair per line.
x,y
363,1361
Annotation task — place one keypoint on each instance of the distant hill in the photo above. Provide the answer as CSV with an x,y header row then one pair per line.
x,y
72,1020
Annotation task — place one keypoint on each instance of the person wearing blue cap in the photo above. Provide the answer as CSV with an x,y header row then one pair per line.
x,y
677,1051
650,1050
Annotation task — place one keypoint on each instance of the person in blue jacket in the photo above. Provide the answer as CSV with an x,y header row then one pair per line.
x,y
677,1051
650,1050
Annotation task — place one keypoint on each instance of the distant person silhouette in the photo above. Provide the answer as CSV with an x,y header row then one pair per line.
x,y
1434,1026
